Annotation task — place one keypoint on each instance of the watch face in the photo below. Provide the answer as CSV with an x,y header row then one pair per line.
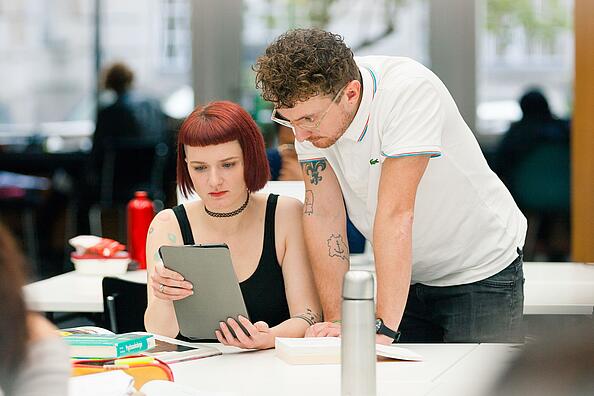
x,y
378,324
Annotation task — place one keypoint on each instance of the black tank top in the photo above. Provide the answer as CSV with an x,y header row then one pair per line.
x,y
264,291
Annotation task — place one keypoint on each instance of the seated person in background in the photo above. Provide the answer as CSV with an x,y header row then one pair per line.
x,y
33,358
221,157
282,159
538,129
132,119
131,116
284,166
538,125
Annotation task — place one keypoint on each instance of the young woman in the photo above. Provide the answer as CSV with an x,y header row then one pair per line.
x,y
221,157
33,358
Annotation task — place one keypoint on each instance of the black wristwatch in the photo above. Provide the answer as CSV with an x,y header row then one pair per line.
x,y
381,328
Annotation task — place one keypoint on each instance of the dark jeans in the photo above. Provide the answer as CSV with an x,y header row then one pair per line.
x,y
489,310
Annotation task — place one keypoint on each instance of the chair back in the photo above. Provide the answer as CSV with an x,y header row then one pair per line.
x,y
124,303
541,181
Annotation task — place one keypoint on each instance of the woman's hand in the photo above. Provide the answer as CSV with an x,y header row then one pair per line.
x,y
169,285
259,335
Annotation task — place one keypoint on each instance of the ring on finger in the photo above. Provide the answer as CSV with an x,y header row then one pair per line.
x,y
161,287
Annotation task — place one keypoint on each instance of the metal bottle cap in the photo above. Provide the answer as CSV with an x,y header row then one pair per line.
x,y
357,285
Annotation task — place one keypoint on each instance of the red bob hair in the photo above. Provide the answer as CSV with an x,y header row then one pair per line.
x,y
222,122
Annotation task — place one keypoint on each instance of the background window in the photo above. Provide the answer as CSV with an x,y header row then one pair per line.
x,y
523,44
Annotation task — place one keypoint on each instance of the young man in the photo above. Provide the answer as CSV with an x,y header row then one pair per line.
x,y
384,136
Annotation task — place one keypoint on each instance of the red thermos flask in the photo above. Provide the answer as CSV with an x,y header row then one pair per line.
x,y
140,214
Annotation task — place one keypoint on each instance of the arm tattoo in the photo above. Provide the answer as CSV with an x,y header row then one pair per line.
x,y
172,238
309,201
337,247
151,230
313,169
310,317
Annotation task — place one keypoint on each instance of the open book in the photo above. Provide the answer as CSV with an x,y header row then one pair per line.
x,y
326,350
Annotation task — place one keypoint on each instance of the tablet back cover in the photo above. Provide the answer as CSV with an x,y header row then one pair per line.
x,y
217,295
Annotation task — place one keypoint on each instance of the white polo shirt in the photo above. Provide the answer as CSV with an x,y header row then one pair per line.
x,y
467,226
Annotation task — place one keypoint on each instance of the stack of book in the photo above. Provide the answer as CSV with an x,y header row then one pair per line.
x,y
326,350
91,342
105,346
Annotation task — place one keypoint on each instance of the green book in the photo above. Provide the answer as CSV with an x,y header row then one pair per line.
x,y
87,346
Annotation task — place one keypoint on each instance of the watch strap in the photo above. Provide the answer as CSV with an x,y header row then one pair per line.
x,y
385,330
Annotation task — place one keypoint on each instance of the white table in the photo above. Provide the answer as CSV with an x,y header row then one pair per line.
x,y
551,288
446,370
559,288
72,292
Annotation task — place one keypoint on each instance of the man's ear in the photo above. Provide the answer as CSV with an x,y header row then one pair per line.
x,y
353,90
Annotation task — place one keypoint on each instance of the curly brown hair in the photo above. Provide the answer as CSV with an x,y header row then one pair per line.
x,y
302,63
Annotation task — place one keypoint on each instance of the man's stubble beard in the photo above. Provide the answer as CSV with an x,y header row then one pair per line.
x,y
344,123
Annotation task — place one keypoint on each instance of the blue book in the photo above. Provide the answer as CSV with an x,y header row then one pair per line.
x,y
88,346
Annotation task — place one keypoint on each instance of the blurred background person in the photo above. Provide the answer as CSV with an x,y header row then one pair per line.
x,y
33,358
533,161
283,158
537,126
129,152
131,115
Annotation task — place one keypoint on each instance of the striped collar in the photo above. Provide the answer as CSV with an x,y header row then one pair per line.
x,y
358,128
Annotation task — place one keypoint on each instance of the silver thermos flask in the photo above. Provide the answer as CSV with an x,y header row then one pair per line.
x,y
358,335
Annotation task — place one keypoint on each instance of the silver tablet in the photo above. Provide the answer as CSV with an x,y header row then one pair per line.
x,y
217,295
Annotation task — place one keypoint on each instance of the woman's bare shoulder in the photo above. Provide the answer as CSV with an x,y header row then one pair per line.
x,y
289,213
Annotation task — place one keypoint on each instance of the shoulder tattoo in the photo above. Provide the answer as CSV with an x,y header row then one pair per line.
x,y
313,170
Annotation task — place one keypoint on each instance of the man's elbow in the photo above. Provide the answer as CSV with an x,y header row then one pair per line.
x,y
398,221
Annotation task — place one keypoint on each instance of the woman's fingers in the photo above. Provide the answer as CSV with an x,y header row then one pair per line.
x,y
164,276
227,335
240,334
167,273
220,337
250,328
159,280
171,293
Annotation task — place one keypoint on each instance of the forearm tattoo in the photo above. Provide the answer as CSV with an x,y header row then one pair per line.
x,y
309,201
313,169
337,247
310,317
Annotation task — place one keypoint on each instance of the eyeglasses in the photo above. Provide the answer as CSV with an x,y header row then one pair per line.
x,y
306,123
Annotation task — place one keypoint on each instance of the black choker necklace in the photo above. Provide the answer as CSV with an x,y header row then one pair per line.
x,y
229,214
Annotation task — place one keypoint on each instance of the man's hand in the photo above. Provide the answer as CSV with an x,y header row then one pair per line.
x,y
383,339
331,329
323,329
